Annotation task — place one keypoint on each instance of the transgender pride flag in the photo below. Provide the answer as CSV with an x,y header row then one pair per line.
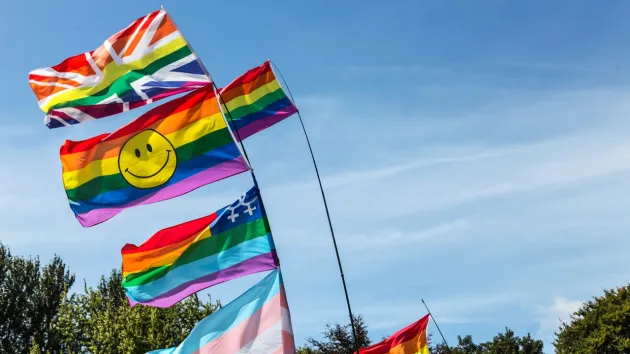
x,y
256,322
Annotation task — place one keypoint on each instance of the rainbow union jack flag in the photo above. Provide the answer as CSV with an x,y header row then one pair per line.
x,y
147,61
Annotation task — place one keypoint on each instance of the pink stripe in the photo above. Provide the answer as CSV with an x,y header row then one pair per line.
x,y
243,333
216,173
261,124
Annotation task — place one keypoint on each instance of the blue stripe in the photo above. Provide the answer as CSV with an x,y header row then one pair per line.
x,y
200,268
229,316
263,113
190,68
184,170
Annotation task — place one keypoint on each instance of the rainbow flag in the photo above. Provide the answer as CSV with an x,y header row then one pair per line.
x,y
169,151
409,340
257,322
255,101
145,62
181,260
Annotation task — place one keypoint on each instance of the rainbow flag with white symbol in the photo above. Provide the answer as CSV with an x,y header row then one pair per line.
x,y
145,62
181,260
257,322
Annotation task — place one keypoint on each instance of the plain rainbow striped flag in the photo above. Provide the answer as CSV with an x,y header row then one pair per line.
x,y
181,260
168,151
147,61
255,101
258,322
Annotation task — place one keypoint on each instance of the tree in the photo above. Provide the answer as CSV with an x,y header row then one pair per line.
x,y
101,321
338,339
502,343
30,297
601,325
38,314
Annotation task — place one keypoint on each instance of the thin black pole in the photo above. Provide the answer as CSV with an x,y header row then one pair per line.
x,y
436,325
332,231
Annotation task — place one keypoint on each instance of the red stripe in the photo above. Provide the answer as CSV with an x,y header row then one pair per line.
x,y
405,334
190,100
171,235
248,77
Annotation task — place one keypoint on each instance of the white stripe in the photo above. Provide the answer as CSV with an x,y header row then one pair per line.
x,y
141,49
61,120
267,342
130,40
50,72
164,41
165,74
50,84
112,52
97,70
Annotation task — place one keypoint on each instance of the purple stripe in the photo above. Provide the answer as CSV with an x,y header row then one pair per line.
x,y
253,265
216,173
265,123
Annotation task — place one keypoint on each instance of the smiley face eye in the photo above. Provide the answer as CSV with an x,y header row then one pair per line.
x,y
149,147
137,153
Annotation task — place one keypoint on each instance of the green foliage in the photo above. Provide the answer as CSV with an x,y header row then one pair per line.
x,y
38,314
502,343
101,321
30,297
338,339
601,325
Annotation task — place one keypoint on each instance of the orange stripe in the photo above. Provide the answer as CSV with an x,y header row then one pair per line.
x,y
139,35
248,87
166,27
167,125
118,43
101,57
44,91
137,262
59,80
412,346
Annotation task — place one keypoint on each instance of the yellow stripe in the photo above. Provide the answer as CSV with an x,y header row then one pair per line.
x,y
112,72
416,345
106,167
253,96
139,262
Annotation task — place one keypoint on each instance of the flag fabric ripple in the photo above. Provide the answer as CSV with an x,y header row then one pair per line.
x,y
181,260
167,152
145,62
257,322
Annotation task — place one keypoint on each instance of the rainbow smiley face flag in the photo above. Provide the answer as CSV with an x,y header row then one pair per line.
x,y
169,151
147,61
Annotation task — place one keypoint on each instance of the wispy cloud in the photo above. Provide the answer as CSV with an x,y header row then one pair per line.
x,y
553,315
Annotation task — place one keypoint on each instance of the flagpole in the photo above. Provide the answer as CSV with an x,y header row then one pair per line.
x,y
436,325
332,231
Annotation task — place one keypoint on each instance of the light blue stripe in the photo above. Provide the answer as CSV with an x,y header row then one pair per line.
x,y
200,268
229,316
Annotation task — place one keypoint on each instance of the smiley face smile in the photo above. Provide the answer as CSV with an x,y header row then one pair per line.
x,y
140,160
168,155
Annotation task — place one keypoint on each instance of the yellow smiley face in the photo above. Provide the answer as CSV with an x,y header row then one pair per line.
x,y
147,160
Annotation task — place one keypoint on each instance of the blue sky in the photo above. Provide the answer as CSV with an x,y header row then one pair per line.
x,y
475,154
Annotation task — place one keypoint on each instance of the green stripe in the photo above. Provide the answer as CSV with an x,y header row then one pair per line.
x,y
202,249
258,105
122,85
184,153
